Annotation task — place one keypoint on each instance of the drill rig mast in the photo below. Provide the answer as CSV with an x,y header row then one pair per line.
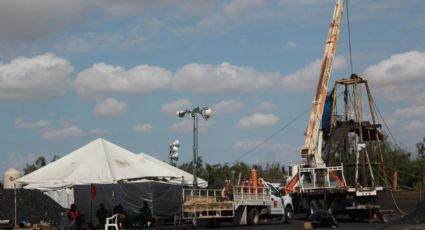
x,y
313,138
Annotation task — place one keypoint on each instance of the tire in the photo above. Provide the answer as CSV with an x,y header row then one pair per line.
x,y
214,223
253,217
289,212
284,219
313,206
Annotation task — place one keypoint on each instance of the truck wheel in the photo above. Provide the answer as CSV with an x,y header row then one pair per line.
x,y
284,218
313,206
289,212
214,223
253,217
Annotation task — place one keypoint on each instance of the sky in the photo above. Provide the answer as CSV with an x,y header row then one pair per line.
x,y
74,71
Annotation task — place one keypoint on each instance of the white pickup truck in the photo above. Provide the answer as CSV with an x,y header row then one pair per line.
x,y
243,205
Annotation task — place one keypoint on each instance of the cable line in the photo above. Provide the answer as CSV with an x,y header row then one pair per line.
x,y
349,38
271,136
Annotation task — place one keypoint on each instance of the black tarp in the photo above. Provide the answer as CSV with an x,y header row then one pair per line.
x,y
164,199
32,206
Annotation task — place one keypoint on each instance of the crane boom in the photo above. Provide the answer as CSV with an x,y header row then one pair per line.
x,y
313,137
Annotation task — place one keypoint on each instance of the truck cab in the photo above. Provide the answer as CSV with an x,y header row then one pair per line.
x,y
281,204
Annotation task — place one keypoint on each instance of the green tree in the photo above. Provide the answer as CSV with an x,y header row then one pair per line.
x,y
55,158
420,161
38,163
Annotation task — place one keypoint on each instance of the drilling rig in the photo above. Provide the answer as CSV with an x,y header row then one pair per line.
x,y
320,182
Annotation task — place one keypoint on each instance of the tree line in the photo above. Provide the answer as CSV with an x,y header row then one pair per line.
x,y
409,166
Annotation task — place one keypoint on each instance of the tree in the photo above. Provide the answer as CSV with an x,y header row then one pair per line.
x,y
38,163
55,158
420,160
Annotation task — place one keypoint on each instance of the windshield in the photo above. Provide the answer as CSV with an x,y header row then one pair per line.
x,y
273,190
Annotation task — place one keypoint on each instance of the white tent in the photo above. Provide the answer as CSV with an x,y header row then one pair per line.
x,y
187,177
99,162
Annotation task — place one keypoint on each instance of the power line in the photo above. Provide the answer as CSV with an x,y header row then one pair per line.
x,y
385,123
271,136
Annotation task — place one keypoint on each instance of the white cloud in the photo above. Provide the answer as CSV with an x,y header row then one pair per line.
x,y
227,106
110,107
399,68
290,45
265,107
415,125
233,12
410,112
402,73
172,107
22,21
142,128
62,133
42,76
100,41
257,120
307,77
41,124
103,79
203,78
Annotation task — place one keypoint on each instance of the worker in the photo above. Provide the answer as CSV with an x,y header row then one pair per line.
x,y
145,215
101,215
72,217
227,190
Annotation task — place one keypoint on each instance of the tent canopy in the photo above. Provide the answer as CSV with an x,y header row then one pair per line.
x,y
187,177
100,162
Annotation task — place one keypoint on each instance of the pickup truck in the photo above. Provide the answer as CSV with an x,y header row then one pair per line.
x,y
242,205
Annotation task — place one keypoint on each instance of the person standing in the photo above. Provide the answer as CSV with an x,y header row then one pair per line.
x,y
101,215
72,217
145,215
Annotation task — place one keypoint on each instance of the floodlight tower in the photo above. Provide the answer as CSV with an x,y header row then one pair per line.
x,y
174,154
205,113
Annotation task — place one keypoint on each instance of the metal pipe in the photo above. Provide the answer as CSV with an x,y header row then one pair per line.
x,y
195,150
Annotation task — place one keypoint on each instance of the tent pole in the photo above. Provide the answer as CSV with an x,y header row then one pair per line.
x,y
113,196
91,208
14,186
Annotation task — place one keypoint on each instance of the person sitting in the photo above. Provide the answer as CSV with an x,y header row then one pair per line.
x,y
101,215
145,215
72,217
122,215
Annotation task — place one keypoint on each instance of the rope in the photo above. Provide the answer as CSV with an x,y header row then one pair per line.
x,y
396,204
271,136
349,38
385,123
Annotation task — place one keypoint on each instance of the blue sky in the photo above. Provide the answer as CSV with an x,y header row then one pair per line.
x,y
73,71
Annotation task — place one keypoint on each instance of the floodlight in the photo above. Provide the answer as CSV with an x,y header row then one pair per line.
x,y
176,143
206,113
174,147
181,113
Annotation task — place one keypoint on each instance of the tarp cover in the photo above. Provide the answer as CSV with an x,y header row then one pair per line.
x,y
187,177
164,199
100,162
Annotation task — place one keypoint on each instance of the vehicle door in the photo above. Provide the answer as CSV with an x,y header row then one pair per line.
x,y
276,207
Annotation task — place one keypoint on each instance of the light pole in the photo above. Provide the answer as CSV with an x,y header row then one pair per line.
x,y
205,113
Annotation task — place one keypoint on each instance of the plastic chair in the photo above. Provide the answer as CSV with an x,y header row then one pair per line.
x,y
112,222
